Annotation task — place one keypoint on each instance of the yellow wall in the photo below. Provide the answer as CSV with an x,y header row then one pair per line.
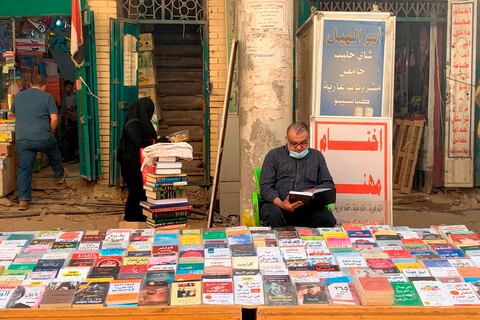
x,y
217,39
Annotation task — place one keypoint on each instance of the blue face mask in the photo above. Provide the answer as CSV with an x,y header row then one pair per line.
x,y
299,155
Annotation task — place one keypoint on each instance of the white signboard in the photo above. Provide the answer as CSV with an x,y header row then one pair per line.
x,y
460,93
267,16
358,152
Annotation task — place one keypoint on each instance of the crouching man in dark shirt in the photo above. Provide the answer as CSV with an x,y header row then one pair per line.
x,y
294,167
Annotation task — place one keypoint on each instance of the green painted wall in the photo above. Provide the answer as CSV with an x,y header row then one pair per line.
x,y
22,8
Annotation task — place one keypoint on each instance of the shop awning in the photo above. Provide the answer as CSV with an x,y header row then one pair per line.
x,y
22,8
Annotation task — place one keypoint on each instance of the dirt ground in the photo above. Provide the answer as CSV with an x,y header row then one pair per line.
x,y
77,204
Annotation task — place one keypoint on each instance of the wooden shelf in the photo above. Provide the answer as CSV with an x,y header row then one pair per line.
x,y
202,312
315,312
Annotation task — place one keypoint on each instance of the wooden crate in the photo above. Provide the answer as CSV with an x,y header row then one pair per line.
x,y
407,136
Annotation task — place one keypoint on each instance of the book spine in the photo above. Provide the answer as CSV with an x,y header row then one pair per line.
x,y
168,220
172,180
169,209
165,215
165,224
170,227
165,194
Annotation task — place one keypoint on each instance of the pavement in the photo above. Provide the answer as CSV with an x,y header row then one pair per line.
x,y
79,204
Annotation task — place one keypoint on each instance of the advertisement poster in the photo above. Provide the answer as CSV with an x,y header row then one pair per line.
x,y
461,80
358,152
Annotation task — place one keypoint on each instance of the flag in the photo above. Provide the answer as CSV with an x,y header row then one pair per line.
x,y
76,36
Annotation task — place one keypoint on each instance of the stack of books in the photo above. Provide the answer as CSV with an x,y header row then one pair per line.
x,y
166,206
373,287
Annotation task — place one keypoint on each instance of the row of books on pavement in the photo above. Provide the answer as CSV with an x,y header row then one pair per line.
x,y
367,264
167,206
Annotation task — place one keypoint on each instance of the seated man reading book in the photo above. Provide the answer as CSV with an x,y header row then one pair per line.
x,y
295,167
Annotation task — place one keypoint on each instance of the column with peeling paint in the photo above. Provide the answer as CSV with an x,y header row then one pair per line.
x,y
265,83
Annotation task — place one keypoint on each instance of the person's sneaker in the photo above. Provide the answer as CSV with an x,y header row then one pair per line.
x,y
23,205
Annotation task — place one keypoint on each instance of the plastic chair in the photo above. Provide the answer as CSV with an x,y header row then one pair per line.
x,y
256,197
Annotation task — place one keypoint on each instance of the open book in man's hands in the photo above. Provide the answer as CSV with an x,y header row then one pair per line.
x,y
321,197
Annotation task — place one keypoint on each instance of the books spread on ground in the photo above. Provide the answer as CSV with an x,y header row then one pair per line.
x,y
399,266
166,207
321,196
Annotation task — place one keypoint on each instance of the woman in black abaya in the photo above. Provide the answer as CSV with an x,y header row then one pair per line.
x,y
138,132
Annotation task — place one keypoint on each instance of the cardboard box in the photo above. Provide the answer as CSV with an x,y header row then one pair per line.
x,y
146,77
8,174
6,149
6,136
145,42
145,59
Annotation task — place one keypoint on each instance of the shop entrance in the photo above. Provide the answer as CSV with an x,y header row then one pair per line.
x,y
172,71
41,45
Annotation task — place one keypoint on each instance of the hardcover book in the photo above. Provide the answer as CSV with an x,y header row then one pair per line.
x,y
109,261
311,293
186,293
6,291
49,264
104,272
123,292
159,278
91,295
432,293
248,290
461,294
59,295
73,274
69,236
89,246
154,295
217,290
405,294
340,293
26,297
279,291
321,196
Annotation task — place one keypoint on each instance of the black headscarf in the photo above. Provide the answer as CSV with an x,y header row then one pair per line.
x,y
138,119
142,109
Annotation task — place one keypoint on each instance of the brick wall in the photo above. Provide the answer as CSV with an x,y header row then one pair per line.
x,y
103,11
217,38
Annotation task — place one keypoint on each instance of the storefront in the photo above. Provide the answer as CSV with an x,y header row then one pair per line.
x,y
35,39
419,81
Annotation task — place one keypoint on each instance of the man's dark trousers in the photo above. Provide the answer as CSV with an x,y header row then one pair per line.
x,y
304,216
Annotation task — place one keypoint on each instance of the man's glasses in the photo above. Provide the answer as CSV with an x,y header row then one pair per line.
x,y
294,144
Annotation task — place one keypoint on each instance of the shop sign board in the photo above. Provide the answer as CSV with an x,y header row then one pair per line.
x,y
358,152
461,35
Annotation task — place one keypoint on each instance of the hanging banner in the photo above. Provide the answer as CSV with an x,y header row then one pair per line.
x,y
358,153
460,93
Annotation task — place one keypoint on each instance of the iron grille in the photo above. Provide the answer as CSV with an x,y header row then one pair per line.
x,y
431,10
164,10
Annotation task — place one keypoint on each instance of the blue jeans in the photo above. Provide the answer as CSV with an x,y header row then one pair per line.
x,y
27,154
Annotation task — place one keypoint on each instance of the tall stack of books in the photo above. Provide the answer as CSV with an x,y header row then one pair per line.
x,y
167,206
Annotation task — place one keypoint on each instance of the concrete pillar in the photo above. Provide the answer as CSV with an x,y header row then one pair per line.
x,y
265,83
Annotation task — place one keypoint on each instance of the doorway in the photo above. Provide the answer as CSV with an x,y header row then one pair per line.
x,y
178,59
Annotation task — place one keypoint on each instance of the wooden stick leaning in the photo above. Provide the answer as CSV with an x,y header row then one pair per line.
x,y
223,126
